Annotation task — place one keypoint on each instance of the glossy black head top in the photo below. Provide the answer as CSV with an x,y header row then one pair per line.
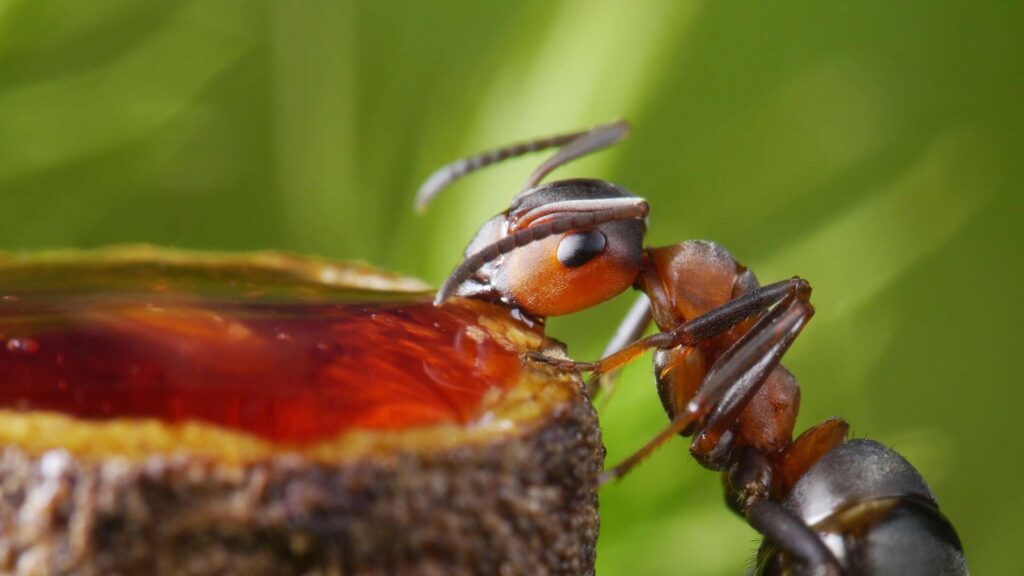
x,y
560,247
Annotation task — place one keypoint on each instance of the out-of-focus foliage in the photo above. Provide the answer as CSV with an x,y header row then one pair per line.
x,y
872,147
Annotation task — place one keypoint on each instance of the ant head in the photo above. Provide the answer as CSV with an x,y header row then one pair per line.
x,y
560,247
585,246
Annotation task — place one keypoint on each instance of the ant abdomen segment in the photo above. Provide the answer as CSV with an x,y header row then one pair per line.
x,y
866,489
825,505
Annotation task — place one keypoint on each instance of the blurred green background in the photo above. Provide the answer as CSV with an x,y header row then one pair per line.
x,y
872,147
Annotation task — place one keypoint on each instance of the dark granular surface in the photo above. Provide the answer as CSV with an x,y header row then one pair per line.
x,y
521,505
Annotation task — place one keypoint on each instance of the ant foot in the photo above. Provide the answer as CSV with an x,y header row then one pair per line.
x,y
559,363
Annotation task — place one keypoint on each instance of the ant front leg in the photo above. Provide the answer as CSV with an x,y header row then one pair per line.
x,y
739,373
708,325
630,329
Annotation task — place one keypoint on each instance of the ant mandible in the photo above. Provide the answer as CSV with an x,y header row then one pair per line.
x,y
568,245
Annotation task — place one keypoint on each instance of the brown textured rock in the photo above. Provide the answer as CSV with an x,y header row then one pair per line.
x,y
512,490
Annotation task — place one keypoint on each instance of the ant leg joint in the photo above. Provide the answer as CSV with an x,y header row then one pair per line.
x,y
802,289
748,480
712,451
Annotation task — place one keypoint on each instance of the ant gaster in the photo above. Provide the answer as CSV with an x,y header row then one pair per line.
x,y
821,501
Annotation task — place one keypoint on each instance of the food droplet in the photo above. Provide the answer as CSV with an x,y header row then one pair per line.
x,y
301,365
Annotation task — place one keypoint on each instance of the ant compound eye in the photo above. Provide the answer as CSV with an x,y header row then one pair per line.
x,y
577,249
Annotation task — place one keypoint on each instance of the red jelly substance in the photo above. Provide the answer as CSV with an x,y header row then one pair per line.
x,y
270,352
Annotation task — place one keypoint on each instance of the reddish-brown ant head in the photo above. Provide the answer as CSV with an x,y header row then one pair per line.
x,y
560,247
570,245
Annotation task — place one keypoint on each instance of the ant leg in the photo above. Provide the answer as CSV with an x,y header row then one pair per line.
x,y
705,326
748,487
632,327
610,363
734,378
790,534
740,385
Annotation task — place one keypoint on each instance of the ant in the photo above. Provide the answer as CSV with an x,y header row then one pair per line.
x,y
825,505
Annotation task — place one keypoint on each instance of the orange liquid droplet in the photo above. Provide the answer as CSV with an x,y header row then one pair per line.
x,y
297,367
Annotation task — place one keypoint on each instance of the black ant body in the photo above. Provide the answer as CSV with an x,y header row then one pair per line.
x,y
824,504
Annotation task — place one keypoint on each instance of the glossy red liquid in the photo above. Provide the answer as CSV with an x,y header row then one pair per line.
x,y
289,364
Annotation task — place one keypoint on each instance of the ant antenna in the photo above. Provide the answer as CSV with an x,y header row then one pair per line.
x,y
593,140
576,144
633,209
